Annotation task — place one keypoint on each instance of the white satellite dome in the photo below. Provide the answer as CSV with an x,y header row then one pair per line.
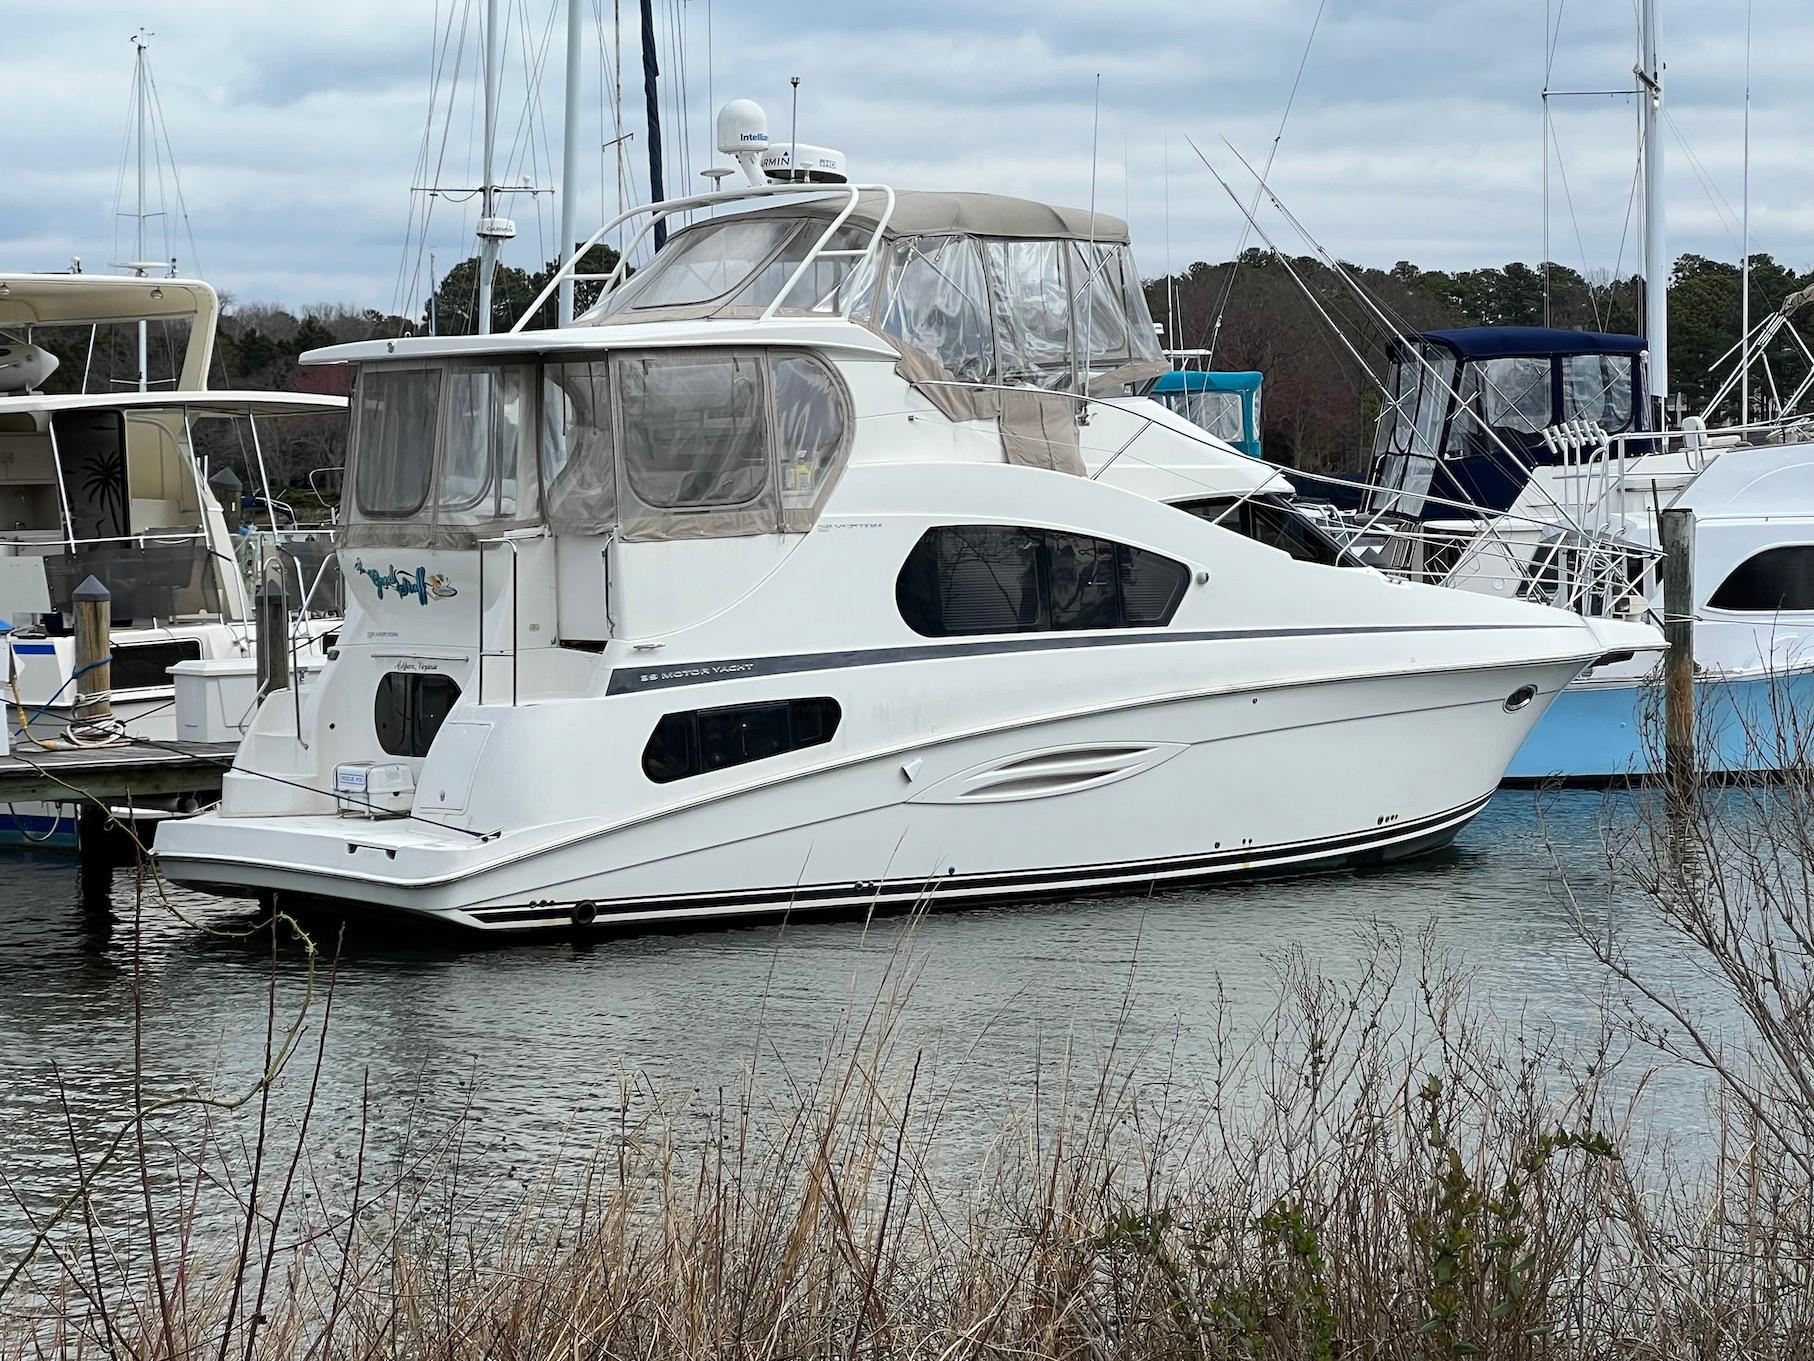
x,y
742,128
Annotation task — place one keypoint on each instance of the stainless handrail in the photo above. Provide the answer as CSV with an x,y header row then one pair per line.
x,y
660,212
515,545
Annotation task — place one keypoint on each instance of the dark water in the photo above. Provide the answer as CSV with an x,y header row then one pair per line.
x,y
531,1041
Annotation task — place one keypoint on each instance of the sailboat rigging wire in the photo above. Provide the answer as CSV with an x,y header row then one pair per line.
x,y
1728,219
1391,324
1575,221
1228,285
119,179
161,127
439,76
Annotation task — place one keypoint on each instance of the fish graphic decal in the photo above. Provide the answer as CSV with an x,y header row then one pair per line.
x,y
421,583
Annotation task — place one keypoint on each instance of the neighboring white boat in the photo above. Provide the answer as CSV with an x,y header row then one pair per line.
x,y
106,484
830,564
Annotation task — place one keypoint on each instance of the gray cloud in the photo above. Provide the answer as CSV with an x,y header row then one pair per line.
x,y
1414,135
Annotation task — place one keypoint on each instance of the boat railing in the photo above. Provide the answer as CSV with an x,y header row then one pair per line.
x,y
660,212
514,540
311,552
1560,562
151,574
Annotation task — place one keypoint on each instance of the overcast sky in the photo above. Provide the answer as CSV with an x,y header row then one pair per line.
x,y
1415,134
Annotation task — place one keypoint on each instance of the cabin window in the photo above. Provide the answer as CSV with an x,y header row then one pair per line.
x,y
694,432
1511,393
1101,305
1597,388
1774,580
700,741
1409,433
1275,523
975,579
1083,582
395,439
1151,587
822,287
409,709
486,419
809,427
702,265
579,468
938,302
1032,312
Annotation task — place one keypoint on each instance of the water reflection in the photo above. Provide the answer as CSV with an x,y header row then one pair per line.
x,y
531,1039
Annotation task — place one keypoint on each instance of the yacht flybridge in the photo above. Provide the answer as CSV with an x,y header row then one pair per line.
x,y
829,562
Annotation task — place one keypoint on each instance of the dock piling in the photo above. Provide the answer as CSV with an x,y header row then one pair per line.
x,y
94,653
1676,530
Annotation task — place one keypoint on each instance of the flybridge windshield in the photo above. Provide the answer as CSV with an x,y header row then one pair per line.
x,y
739,263
1053,314
645,444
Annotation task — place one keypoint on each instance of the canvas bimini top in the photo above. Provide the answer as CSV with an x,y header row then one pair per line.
x,y
1495,342
988,289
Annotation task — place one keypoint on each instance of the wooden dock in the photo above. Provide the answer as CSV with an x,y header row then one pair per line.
x,y
112,773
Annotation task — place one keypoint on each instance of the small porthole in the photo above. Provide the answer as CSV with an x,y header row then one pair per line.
x,y
1520,697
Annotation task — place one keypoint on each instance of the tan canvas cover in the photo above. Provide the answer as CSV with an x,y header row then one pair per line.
x,y
927,213
1039,430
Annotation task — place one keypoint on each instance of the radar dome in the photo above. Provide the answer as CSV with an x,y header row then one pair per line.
x,y
799,163
742,128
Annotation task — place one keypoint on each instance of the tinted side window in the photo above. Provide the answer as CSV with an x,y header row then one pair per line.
x,y
699,741
1083,581
1151,586
409,709
971,579
1274,524
1776,579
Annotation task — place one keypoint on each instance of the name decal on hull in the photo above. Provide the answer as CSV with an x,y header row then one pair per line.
x,y
422,584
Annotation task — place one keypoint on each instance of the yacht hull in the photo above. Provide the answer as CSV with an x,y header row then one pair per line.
x,y
1599,731
1151,795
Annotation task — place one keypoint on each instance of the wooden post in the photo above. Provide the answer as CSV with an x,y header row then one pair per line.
x,y
1676,529
227,489
94,652
271,619
94,855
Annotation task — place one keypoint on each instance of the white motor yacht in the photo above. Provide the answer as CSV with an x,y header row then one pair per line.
x,y
106,484
830,563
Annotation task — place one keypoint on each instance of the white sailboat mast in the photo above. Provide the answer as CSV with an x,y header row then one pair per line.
x,y
570,158
138,78
1656,265
488,237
